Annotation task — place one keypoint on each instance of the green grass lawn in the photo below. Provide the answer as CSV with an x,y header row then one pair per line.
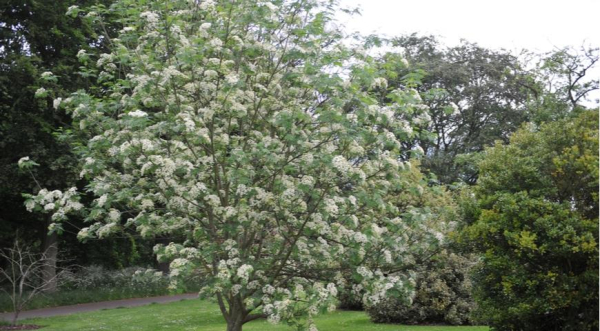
x,y
205,316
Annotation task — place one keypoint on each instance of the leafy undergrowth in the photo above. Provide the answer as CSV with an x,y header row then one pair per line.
x,y
205,316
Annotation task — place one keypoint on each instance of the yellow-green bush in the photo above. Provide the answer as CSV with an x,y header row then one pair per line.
x,y
537,228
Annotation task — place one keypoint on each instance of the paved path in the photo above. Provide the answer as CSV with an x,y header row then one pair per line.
x,y
66,310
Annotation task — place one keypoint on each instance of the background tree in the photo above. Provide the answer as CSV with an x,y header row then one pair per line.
x,y
537,228
563,82
477,95
36,37
224,124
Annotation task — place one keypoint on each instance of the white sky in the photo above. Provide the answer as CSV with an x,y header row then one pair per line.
x,y
536,25
511,24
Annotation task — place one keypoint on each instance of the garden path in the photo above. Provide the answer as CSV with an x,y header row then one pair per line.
x,y
85,307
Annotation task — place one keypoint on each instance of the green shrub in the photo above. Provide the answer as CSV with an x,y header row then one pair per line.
x,y
443,295
537,228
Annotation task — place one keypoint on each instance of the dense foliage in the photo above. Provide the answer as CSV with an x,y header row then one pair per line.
x,y
443,294
537,228
35,37
424,207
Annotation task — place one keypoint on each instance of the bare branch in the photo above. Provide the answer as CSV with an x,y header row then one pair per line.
x,y
24,272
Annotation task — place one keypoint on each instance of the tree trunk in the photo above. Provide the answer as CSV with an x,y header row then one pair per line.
x,y
49,270
234,327
16,316
236,317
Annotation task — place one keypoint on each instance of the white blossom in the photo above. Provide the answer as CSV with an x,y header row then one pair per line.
x,y
151,17
72,9
137,113
244,271
102,200
340,163
114,215
41,92
216,42
454,108
56,103
380,82
23,160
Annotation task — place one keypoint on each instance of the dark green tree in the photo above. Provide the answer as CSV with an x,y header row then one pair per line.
x,y
537,228
37,36
475,95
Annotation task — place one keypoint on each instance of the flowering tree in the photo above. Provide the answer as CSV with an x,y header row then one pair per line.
x,y
245,129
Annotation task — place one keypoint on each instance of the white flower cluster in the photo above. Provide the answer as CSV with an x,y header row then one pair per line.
x,y
137,113
178,264
41,92
454,108
59,203
84,233
244,271
151,18
82,54
56,103
72,10
380,82
341,164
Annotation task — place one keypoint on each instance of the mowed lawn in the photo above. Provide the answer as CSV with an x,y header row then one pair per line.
x,y
205,316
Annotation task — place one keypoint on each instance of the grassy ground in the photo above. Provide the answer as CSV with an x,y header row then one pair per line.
x,y
201,315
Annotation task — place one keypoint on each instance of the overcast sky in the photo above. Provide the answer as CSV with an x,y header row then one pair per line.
x,y
511,24
536,25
